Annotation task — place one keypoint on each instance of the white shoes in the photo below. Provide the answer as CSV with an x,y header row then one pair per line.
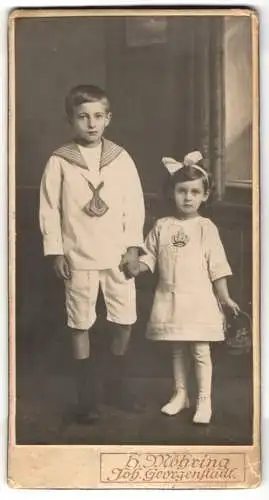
x,y
203,411
179,402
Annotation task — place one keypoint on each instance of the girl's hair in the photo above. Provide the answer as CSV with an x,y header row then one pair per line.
x,y
84,93
184,174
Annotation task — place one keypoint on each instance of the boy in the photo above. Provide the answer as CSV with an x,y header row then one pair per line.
x,y
91,218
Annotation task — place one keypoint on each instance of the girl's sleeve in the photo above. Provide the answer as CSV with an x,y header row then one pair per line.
x,y
151,249
218,264
49,208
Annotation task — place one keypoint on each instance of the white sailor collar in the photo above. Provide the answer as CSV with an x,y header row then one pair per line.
x,y
71,153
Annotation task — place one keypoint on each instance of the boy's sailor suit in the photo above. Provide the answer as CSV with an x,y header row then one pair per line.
x,y
92,213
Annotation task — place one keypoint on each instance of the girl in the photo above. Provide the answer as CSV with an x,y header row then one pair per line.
x,y
193,268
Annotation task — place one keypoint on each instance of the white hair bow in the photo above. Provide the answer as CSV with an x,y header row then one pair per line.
x,y
190,159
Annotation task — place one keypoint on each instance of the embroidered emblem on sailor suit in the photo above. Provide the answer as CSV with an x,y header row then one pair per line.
x,y
96,207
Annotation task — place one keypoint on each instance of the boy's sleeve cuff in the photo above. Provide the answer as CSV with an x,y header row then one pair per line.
x,y
52,247
140,246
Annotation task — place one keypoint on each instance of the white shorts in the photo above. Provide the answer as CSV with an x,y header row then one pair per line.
x,y
82,292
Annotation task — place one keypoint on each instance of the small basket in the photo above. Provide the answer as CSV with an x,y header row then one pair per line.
x,y
239,334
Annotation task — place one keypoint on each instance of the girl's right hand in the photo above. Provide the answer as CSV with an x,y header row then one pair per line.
x,y
61,267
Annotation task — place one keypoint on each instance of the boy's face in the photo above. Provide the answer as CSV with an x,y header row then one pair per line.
x,y
89,121
188,197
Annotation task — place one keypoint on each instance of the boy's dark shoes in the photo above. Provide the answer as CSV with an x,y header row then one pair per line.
x,y
78,416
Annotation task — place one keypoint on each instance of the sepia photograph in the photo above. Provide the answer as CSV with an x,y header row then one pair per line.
x,y
134,248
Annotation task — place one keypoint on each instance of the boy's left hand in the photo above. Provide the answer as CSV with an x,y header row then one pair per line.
x,y
129,263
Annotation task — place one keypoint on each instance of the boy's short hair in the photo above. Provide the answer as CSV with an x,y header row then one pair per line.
x,y
84,93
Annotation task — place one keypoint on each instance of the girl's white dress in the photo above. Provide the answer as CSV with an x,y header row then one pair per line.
x,y
189,256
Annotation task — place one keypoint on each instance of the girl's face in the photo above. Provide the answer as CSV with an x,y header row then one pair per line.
x,y
188,197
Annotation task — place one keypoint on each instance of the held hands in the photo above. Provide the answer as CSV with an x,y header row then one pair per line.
x,y
61,267
129,264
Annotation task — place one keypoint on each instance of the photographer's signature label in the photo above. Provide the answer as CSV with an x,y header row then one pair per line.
x,y
172,468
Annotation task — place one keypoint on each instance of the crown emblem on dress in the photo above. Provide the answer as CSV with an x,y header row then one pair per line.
x,y
180,238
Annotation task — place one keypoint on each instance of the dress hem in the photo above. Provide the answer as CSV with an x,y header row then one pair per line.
x,y
173,334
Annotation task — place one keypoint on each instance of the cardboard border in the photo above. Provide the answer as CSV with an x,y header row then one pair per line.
x,y
49,466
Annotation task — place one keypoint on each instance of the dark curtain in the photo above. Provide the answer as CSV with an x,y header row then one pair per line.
x,y
206,95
